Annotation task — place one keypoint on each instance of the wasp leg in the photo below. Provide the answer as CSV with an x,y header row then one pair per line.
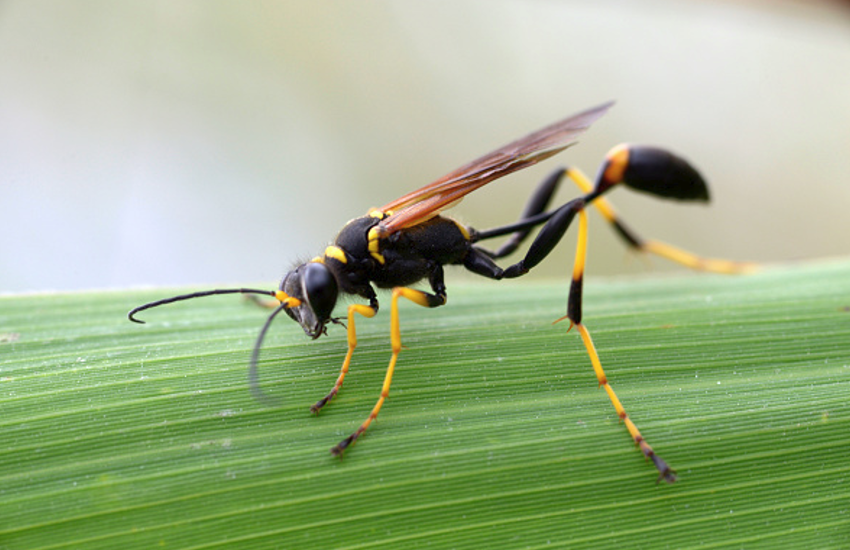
x,y
547,238
667,251
536,205
542,245
646,169
574,315
365,311
558,221
421,298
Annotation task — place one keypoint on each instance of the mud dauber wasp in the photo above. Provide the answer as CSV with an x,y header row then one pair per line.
x,y
408,240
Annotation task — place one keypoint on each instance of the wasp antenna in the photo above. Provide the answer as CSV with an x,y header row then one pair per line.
x,y
253,373
150,305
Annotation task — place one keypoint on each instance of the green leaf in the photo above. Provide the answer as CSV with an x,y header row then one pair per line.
x,y
495,435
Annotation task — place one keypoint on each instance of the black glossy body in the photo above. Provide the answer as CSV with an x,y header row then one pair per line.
x,y
420,252
402,251
410,255
661,173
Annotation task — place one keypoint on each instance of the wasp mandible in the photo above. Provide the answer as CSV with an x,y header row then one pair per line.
x,y
408,240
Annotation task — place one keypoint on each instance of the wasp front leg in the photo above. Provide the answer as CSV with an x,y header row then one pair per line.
x,y
421,298
366,311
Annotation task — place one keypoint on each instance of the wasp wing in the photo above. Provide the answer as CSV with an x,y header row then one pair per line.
x,y
427,202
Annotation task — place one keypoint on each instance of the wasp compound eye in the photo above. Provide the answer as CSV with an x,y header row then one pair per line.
x,y
320,288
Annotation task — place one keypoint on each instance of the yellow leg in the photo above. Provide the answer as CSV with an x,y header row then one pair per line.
x,y
418,297
688,259
602,205
664,471
667,251
574,314
365,311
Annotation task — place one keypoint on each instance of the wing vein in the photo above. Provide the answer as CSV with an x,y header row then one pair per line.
x,y
428,201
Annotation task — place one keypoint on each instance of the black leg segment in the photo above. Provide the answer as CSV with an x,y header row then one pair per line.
x,y
536,205
547,239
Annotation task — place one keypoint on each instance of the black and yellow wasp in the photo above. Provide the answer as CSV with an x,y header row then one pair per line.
x,y
408,240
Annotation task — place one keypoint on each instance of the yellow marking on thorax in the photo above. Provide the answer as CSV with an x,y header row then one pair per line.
x,y
374,238
336,253
464,231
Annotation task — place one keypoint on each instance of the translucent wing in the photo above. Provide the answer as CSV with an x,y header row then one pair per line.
x,y
427,202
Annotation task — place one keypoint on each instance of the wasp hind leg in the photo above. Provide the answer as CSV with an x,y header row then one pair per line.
x,y
663,174
418,297
545,241
574,315
537,205
647,169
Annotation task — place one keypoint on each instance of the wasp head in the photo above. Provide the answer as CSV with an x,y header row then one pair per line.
x,y
315,287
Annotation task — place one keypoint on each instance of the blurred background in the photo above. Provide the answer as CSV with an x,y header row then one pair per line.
x,y
207,142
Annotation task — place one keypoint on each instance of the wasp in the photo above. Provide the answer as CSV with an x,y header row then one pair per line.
x,y
408,240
